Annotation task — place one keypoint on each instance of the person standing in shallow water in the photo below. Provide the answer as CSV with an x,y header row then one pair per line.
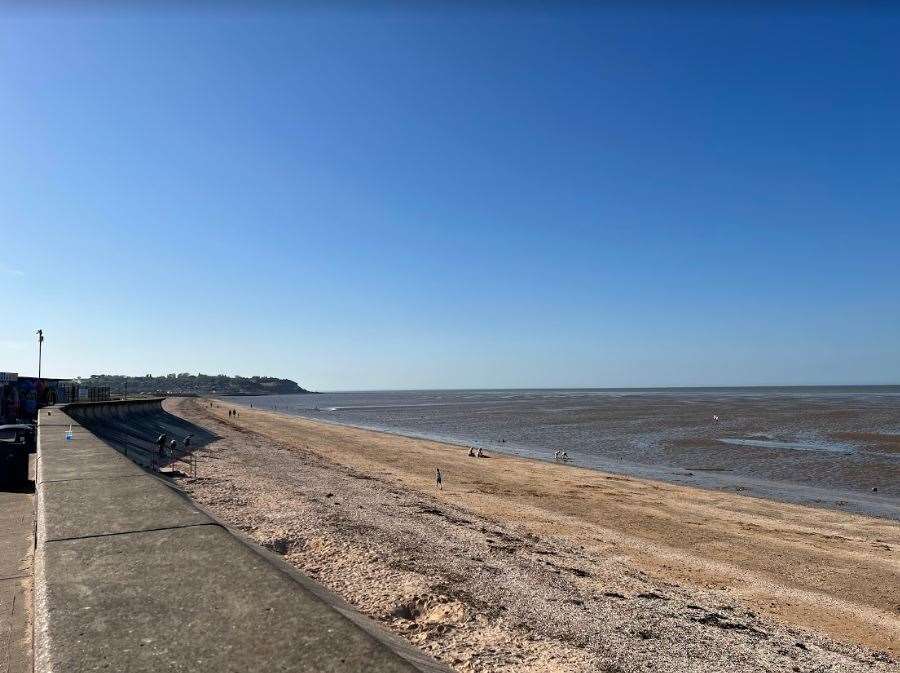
x,y
440,478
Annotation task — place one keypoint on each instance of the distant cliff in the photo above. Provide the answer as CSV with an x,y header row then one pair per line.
x,y
196,384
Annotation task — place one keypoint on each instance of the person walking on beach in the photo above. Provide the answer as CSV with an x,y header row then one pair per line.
x,y
440,478
157,459
161,461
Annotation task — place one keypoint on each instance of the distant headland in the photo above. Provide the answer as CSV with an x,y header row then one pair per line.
x,y
194,384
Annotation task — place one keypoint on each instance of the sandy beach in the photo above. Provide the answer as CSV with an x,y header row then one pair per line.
x,y
817,446
525,565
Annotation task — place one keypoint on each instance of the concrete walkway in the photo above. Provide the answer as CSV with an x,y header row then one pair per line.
x,y
16,580
131,575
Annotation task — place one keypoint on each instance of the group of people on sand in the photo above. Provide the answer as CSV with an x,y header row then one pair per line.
x,y
479,453
168,448
232,412
473,453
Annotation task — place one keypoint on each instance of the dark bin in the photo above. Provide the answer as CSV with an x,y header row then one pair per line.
x,y
13,463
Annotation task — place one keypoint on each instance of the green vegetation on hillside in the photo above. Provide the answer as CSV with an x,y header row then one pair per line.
x,y
197,384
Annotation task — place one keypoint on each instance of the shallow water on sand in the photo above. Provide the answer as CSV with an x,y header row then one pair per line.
x,y
825,445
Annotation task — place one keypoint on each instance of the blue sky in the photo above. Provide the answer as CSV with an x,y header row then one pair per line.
x,y
403,198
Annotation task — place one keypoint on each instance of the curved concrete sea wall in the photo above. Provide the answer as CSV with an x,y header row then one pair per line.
x,y
130,575
131,427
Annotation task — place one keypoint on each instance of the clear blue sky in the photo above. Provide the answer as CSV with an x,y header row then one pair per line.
x,y
393,198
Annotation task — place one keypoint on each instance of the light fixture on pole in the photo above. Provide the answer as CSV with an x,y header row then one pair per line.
x,y
40,334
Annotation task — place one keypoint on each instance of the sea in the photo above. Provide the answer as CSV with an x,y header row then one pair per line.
x,y
829,446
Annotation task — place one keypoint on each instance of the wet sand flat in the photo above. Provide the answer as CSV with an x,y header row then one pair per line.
x,y
704,570
821,446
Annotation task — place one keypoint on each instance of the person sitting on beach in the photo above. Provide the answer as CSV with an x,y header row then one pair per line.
x,y
564,456
480,453
556,456
440,478
471,452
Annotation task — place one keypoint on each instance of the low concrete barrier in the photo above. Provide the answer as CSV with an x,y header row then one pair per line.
x,y
130,575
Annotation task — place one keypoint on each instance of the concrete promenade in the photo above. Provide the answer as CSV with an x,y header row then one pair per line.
x,y
16,547
130,575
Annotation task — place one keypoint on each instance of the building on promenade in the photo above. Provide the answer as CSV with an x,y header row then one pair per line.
x,y
22,396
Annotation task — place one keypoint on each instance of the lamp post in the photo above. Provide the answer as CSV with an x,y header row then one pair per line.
x,y
37,401
40,334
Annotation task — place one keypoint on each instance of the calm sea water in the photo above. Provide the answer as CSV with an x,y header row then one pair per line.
x,y
823,445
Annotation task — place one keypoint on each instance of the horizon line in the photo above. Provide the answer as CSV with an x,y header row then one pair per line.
x,y
589,388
